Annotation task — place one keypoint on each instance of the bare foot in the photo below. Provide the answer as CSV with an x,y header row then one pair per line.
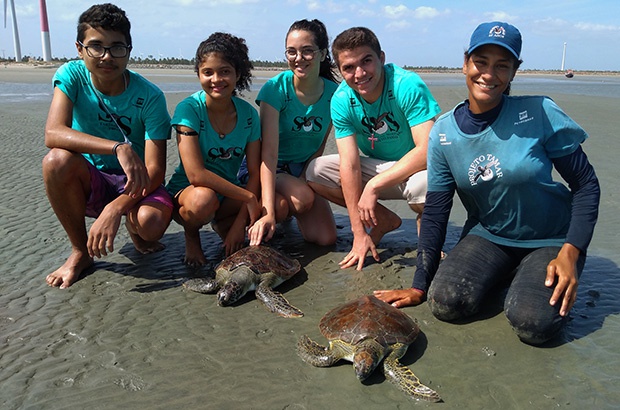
x,y
141,245
70,271
193,251
387,222
145,247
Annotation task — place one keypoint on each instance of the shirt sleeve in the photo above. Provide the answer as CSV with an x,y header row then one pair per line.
x,y
583,183
432,236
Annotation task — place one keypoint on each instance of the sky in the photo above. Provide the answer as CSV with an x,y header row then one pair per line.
x,y
413,33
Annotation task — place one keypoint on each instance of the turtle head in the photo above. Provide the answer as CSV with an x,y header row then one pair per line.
x,y
366,357
237,285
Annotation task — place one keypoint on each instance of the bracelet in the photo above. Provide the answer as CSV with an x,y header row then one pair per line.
x,y
118,144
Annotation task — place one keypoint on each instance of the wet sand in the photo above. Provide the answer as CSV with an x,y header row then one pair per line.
x,y
127,335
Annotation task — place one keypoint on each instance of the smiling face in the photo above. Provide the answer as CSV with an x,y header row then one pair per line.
x,y
488,70
107,71
362,70
217,77
303,42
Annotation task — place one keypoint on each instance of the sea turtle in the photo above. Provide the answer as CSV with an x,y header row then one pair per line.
x,y
260,268
365,331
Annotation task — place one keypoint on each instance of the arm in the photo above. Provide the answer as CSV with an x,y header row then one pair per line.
x,y
351,181
432,237
318,153
412,162
59,134
104,229
265,226
583,183
248,214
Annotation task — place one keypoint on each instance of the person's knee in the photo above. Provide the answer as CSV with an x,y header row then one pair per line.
x,y
447,305
533,328
201,205
60,163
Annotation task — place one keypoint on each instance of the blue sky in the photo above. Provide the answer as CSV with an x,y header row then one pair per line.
x,y
415,33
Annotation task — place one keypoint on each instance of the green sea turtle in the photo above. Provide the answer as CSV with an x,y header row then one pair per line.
x,y
259,268
365,331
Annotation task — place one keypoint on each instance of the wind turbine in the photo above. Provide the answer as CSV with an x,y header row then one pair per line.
x,y
16,46
45,31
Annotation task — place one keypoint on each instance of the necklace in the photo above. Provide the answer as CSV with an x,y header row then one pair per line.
x,y
377,123
217,127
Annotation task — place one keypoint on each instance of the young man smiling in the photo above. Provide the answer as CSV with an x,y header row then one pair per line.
x,y
387,113
107,129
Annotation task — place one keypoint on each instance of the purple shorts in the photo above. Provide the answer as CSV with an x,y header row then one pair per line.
x,y
104,188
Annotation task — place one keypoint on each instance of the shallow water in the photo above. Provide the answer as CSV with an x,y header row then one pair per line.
x,y
128,336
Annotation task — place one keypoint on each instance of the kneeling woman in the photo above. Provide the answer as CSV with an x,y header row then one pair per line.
x,y
215,129
498,152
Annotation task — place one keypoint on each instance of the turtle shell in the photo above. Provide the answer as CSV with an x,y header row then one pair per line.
x,y
261,259
369,317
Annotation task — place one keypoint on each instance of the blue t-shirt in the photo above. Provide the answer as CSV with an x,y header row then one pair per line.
x,y
222,156
140,111
503,175
302,127
383,128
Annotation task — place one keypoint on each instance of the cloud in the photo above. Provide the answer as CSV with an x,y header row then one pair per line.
x,y
398,25
596,27
501,16
401,11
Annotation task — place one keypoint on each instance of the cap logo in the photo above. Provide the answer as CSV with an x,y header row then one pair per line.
x,y
497,31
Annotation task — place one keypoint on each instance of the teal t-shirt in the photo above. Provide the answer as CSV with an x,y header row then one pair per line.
x,y
222,156
503,175
140,111
383,128
302,128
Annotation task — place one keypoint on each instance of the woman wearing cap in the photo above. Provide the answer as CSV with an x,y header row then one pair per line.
x,y
497,152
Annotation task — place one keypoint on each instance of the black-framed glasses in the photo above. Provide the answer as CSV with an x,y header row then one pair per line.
x,y
98,51
306,53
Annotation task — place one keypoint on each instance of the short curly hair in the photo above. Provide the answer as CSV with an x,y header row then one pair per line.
x,y
106,16
232,49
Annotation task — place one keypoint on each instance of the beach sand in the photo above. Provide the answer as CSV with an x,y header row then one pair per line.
x,y
127,335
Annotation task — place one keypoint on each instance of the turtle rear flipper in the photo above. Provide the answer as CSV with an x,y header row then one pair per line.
x,y
275,302
408,382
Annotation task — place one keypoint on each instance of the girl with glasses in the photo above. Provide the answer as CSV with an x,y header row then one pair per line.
x,y
295,123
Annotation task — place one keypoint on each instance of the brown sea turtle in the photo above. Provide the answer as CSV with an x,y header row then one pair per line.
x,y
259,268
365,331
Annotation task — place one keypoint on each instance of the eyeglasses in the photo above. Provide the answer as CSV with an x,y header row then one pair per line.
x,y
98,51
306,53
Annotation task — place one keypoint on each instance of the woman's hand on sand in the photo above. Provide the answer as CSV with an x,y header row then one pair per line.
x,y
401,297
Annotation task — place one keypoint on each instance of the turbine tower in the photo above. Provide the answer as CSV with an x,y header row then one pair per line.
x,y
45,32
16,45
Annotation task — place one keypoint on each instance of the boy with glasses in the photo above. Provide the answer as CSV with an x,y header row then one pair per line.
x,y
107,131
387,113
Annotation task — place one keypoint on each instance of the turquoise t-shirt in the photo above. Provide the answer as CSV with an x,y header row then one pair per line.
x,y
302,128
383,128
503,175
222,156
140,111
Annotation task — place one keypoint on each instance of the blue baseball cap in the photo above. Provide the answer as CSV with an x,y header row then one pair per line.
x,y
499,33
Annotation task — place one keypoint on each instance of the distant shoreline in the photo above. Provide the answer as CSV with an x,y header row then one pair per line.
x,y
428,70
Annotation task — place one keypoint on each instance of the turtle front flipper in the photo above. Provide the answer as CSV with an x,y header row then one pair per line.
x,y
275,302
408,382
202,285
315,354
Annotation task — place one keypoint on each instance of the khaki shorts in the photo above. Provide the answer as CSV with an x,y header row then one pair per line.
x,y
325,170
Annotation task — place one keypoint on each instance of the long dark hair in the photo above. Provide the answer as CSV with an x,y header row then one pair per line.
x,y
234,51
317,28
